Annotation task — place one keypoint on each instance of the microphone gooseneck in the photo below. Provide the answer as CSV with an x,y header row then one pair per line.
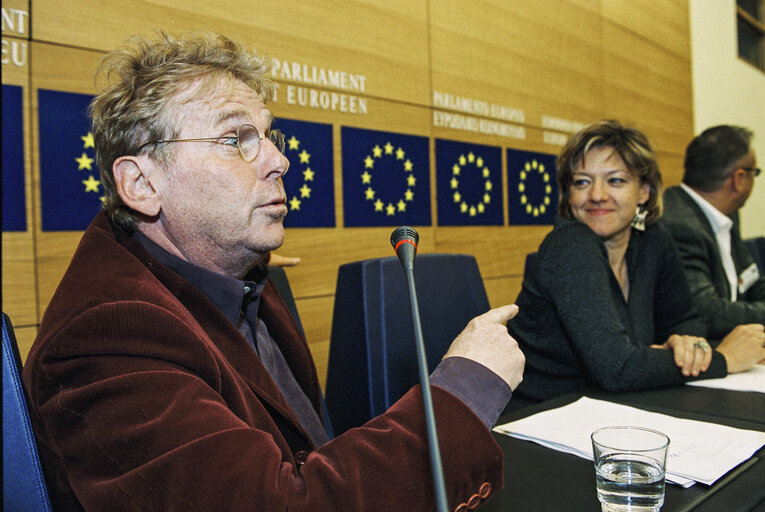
x,y
404,241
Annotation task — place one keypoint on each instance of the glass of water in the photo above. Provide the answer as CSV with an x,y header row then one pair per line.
x,y
630,465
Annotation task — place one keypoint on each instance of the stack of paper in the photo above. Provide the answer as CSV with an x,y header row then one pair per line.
x,y
751,380
698,451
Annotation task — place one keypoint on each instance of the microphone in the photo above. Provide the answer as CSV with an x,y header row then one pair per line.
x,y
404,241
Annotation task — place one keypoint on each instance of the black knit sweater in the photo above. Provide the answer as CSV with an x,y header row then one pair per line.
x,y
576,329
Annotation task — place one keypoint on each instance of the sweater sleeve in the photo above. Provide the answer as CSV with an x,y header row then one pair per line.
x,y
574,273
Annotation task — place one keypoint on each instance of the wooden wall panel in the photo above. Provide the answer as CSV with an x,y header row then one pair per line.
x,y
384,41
560,64
18,269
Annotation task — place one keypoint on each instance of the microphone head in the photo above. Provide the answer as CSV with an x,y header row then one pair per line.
x,y
404,234
404,241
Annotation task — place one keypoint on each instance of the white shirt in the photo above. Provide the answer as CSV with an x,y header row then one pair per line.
x,y
721,225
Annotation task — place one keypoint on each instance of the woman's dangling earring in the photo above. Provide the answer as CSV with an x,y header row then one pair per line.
x,y
638,222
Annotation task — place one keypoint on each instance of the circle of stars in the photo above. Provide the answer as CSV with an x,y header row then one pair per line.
x,y
293,144
480,207
84,162
530,169
390,209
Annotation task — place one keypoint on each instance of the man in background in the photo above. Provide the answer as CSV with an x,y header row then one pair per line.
x,y
168,374
702,216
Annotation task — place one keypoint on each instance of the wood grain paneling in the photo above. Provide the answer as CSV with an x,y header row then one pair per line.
x,y
25,336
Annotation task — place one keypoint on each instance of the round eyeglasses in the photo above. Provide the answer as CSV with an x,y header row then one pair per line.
x,y
755,170
247,141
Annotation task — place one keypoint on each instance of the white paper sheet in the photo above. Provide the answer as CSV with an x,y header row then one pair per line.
x,y
698,451
751,380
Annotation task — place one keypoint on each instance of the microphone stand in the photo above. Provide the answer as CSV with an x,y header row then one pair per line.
x,y
427,399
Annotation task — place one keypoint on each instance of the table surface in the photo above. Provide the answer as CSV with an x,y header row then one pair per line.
x,y
539,479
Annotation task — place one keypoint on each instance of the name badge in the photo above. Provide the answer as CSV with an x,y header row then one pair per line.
x,y
747,278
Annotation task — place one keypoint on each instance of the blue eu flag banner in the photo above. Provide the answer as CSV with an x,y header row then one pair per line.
x,y
532,191
310,182
386,178
468,184
14,196
70,190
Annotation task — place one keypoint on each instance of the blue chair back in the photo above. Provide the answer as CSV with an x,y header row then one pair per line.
x,y
756,247
23,480
372,353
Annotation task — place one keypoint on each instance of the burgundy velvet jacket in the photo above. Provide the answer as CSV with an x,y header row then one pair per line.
x,y
145,397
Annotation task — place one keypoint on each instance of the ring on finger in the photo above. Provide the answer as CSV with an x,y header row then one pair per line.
x,y
703,345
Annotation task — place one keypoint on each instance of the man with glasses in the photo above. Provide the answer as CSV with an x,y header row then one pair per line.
x,y
702,216
168,373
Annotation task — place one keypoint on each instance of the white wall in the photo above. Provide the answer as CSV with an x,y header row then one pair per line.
x,y
728,90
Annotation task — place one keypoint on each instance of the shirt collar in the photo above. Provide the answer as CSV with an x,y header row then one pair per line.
x,y
717,219
229,294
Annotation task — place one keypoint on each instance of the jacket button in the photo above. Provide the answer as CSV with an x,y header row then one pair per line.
x,y
474,501
301,457
462,507
485,490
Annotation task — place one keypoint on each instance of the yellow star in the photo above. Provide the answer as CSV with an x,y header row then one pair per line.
x,y
388,148
88,141
479,162
463,207
486,172
390,210
548,189
91,184
541,168
378,206
377,151
366,178
472,211
534,164
462,160
528,208
293,143
523,199
522,175
308,174
521,187
488,186
542,209
456,170
294,203
455,183
401,205
369,193
536,212
527,166
368,162
102,199
486,198
547,200
399,154
408,165
408,195
481,208
471,157
305,191
457,197
546,178
85,162
304,157
411,180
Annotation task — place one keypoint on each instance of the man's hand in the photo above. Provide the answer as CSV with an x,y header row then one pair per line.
x,y
693,355
743,347
485,340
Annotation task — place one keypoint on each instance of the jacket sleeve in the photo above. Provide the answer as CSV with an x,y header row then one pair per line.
x,y
129,405
575,275
700,256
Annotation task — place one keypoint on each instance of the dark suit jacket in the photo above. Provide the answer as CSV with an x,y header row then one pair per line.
x,y
145,397
703,266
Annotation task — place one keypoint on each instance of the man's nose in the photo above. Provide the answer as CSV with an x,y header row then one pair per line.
x,y
274,163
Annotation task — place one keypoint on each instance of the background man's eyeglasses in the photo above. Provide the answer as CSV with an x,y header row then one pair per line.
x,y
755,170
247,141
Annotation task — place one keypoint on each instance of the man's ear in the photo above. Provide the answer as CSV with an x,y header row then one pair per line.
x,y
133,185
738,180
